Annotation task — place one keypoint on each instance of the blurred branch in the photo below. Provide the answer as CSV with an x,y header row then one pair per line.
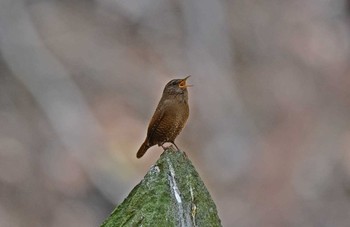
x,y
50,84
212,60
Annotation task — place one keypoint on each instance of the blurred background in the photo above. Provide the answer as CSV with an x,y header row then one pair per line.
x,y
269,129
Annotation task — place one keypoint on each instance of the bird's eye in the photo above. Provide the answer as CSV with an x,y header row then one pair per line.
x,y
173,82
182,84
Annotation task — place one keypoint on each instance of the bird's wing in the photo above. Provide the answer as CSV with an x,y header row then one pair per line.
x,y
157,118
153,125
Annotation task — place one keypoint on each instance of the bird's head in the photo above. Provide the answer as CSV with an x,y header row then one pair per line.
x,y
177,86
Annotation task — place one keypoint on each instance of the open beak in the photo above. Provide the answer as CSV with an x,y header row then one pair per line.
x,y
183,83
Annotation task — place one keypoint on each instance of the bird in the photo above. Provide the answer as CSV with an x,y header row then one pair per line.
x,y
169,117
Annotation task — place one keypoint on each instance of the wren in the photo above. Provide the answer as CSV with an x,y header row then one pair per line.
x,y
170,116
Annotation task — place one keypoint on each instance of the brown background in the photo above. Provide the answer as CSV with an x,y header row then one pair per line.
x,y
269,130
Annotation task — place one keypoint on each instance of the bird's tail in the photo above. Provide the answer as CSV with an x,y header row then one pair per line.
x,y
144,147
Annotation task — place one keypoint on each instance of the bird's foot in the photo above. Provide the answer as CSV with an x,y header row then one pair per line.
x,y
165,147
170,146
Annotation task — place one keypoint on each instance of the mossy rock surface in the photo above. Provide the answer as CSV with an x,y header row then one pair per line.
x,y
171,194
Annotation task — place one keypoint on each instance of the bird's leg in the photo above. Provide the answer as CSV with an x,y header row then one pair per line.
x,y
175,145
162,145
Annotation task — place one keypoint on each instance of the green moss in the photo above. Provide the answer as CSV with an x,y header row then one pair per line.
x,y
171,194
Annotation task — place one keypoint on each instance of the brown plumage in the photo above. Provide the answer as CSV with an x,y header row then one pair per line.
x,y
170,116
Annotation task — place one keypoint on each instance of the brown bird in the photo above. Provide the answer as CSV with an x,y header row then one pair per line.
x,y
170,116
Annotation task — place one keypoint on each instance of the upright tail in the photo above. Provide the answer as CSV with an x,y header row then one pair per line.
x,y
144,147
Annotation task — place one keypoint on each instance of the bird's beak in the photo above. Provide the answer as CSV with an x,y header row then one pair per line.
x,y
183,83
